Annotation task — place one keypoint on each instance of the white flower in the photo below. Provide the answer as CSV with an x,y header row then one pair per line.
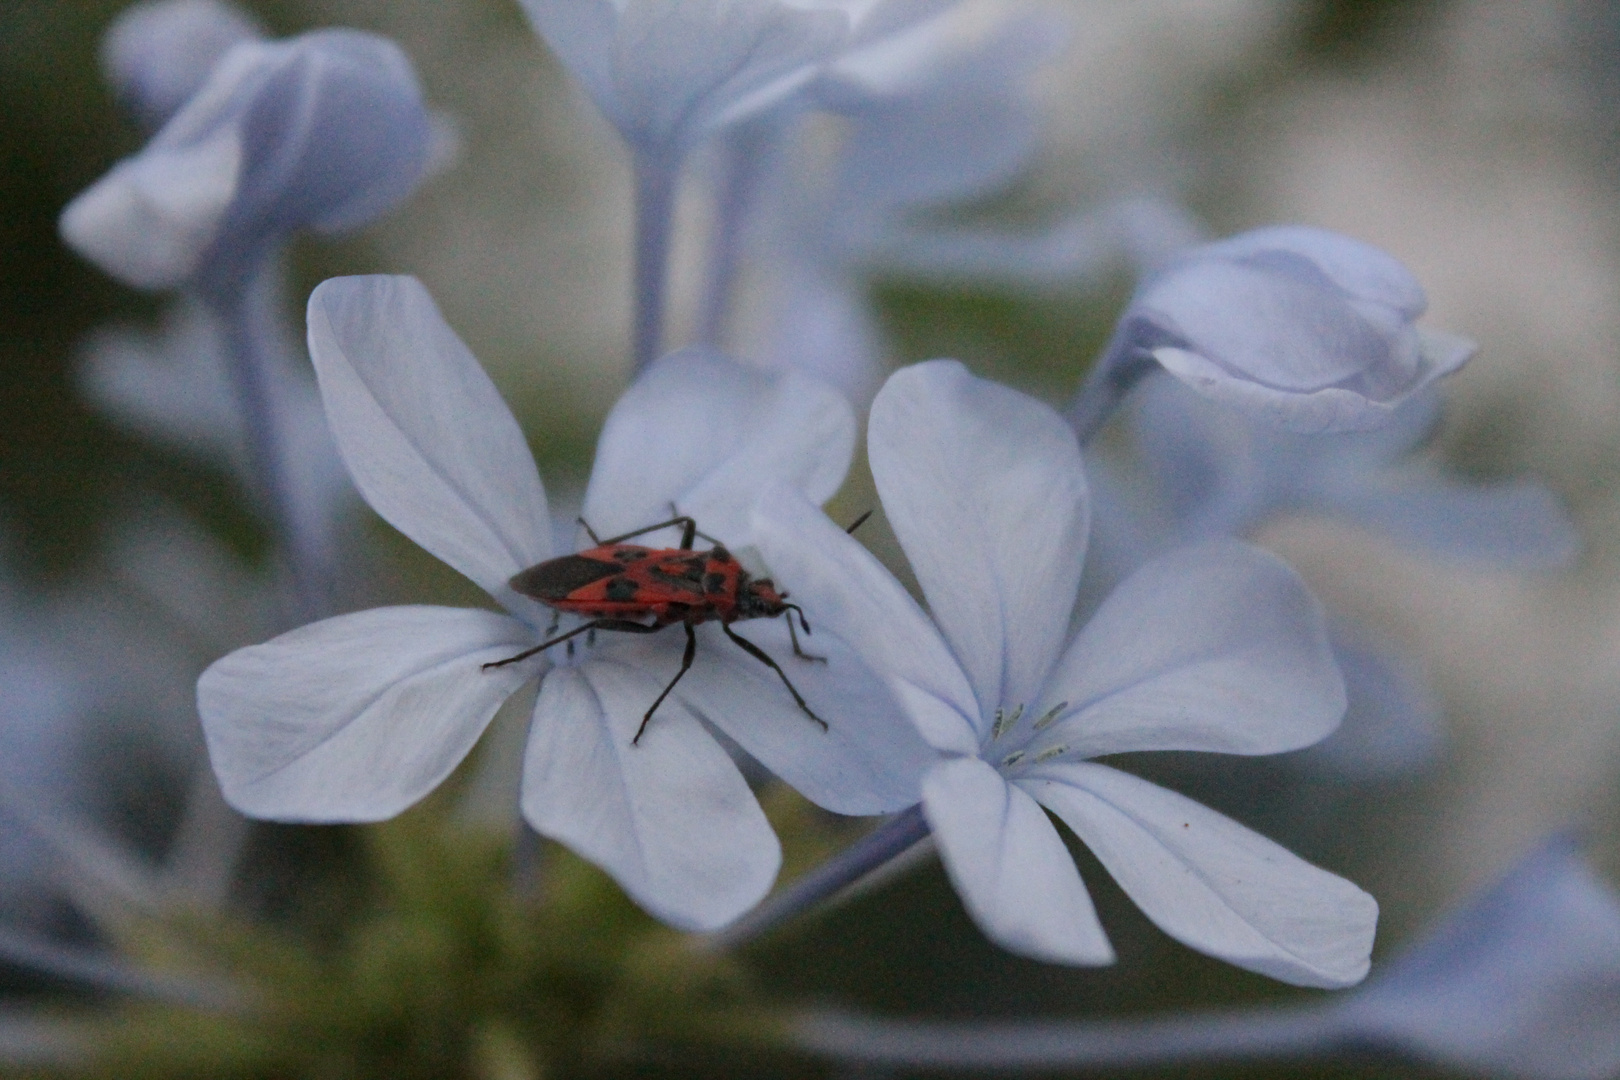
x,y
1217,648
1307,328
669,72
325,131
357,717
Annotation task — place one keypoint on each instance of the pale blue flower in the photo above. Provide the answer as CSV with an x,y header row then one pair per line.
x,y
1200,469
1218,647
667,73
1212,470
1306,328
157,54
324,131
357,717
1521,981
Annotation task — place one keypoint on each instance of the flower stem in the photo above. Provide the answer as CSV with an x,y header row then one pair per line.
x,y
1044,1045
249,342
656,175
744,152
871,852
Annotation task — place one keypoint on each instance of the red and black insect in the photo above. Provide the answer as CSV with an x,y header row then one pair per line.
x,y
619,585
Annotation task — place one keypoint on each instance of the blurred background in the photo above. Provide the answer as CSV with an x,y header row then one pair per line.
x,y
1476,140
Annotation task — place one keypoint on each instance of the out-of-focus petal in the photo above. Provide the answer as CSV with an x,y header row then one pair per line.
x,y
1522,981
1393,725
1513,524
1359,270
666,74
1305,329
1215,647
425,434
985,490
1010,867
707,435
158,53
1211,883
670,817
870,758
357,717
150,221
845,589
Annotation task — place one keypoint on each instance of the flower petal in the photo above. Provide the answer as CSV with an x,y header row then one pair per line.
x,y
708,435
1393,726
1209,882
844,588
425,434
667,73
1243,320
1215,647
670,817
1516,524
985,490
1523,979
1364,272
869,760
1010,867
357,717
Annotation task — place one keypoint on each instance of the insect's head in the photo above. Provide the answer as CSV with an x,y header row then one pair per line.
x,y
761,600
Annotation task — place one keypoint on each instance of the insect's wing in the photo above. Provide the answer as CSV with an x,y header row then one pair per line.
x,y
554,579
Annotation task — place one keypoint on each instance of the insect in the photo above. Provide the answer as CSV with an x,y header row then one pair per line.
x,y
621,584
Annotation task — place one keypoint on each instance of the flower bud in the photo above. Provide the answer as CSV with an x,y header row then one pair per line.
x,y
325,131
1306,327
159,53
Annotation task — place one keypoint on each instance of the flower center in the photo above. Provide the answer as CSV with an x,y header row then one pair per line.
x,y
1018,736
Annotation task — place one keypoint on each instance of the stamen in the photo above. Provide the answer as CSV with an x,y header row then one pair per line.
x,y
1004,721
1012,759
1051,716
1051,752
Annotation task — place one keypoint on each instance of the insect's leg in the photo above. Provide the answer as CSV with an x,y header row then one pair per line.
x,y
681,520
857,523
793,634
686,665
590,532
526,653
763,657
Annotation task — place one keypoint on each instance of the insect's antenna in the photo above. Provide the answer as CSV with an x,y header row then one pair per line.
x,y
857,523
597,540
802,620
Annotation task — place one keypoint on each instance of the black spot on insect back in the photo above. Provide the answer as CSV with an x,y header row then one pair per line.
x,y
554,579
622,590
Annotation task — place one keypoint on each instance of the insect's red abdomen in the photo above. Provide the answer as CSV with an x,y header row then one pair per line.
x,y
626,581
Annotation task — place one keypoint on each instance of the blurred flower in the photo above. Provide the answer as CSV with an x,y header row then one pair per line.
x,y
174,386
1200,469
325,131
1521,981
1217,648
668,74
1217,471
157,54
1306,328
357,717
